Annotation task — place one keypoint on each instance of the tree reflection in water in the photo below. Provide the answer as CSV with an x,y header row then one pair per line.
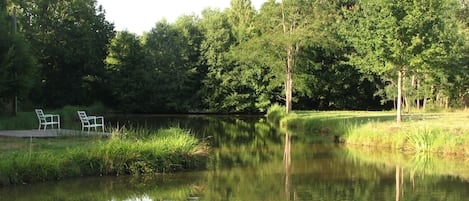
x,y
251,160
287,165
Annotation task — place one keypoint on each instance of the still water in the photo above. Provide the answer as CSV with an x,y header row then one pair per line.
x,y
253,161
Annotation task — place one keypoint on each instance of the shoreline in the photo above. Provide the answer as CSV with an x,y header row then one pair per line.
x,y
437,133
125,152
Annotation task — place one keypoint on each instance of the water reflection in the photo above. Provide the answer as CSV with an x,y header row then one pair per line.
x,y
253,161
287,162
157,187
398,183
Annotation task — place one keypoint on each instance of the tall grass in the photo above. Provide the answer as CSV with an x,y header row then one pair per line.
x,y
167,150
275,113
422,136
441,133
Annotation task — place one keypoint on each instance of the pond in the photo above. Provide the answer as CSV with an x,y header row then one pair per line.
x,y
253,161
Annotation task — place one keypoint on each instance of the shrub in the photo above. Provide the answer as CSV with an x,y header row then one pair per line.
x,y
275,113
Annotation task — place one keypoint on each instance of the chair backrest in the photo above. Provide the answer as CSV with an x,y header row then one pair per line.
x,y
83,117
40,115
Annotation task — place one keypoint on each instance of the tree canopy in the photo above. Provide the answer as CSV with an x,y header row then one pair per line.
x,y
17,64
397,39
313,54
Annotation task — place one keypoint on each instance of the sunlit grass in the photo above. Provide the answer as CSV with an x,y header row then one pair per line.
x,y
275,113
442,133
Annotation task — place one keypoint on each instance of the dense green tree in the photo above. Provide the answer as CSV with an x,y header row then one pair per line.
x,y
329,83
69,39
169,54
189,29
399,38
251,84
316,54
242,83
285,30
17,64
127,80
240,15
218,39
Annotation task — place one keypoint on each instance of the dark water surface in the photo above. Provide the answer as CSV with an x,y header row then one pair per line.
x,y
252,161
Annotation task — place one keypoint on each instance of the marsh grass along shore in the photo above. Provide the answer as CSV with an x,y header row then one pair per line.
x,y
127,151
445,133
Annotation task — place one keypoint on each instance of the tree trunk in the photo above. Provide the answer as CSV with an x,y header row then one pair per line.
x,y
407,104
446,103
424,107
15,99
398,183
425,98
287,164
289,64
399,97
418,94
289,80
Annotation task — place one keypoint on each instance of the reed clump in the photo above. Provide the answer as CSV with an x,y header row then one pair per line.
x,y
126,152
275,113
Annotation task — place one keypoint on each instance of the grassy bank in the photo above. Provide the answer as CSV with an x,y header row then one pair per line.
x,y
131,152
441,133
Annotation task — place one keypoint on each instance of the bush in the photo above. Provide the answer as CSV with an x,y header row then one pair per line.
x,y
275,113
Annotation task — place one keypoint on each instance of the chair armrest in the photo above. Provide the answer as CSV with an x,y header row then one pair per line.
x,y
95,118
52,116
101,118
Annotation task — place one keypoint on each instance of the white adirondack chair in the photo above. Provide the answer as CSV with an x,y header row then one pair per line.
x,y
47,119
90,121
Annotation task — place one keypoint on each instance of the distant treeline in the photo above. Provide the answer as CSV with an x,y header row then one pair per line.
x,y
315,54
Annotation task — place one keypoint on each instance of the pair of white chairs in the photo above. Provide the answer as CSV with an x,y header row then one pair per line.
x,y
87,122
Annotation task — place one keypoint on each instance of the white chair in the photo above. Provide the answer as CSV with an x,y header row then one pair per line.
x,y
90,121
47,119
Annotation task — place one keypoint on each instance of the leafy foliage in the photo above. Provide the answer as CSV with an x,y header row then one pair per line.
x,y
339,54
17,63
69,39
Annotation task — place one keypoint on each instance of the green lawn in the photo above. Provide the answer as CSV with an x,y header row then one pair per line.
x,y
10,145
